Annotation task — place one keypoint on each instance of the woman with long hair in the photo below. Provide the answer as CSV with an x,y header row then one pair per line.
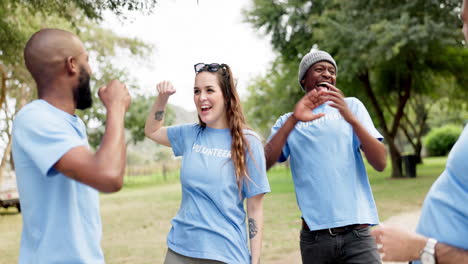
x,y
223,164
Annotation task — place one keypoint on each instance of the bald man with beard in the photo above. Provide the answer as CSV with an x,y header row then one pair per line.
x,y
59,178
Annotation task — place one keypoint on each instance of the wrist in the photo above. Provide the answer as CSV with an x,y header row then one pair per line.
x,y
419,242
293,118
162,99
116,110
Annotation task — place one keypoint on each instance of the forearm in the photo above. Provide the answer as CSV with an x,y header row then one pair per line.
x,y
446,254
274,147
374,150
255,215
112,153
155,119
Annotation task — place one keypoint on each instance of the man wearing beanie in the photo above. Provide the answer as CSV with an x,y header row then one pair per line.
x,y
323,138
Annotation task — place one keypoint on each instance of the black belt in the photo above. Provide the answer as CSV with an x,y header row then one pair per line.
x,y
335,230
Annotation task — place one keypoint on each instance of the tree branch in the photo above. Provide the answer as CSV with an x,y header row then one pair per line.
x,y
3,87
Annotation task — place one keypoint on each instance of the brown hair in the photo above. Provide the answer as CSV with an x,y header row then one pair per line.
x,y
236,122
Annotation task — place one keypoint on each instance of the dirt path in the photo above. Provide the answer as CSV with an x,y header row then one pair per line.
x,y
406,220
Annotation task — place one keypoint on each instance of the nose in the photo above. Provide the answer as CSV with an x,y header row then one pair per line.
x,y
327,74
202,96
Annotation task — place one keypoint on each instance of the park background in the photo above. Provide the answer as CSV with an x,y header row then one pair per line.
x,y
404,59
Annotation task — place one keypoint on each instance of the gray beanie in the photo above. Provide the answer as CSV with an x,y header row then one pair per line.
x,y
310,59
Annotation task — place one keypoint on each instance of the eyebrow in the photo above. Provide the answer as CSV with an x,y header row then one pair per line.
x,y
208,86
324,66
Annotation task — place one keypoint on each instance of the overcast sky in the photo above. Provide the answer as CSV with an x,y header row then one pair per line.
x,y
184,33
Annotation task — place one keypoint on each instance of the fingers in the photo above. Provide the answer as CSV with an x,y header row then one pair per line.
x,y
101,90
377,233
332,88
114,94
313,98
165,88
311,116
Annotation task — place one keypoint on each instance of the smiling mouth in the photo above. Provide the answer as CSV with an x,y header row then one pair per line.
x,y
324,85
205,109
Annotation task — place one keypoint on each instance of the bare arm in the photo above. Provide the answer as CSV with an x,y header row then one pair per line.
x,y
255,215
302,112
275,145
446,254
374,150
400,245
154,123
103,170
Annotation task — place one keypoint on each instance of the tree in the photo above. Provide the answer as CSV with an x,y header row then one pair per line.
x,y
14,32
280,83
387,51
17,86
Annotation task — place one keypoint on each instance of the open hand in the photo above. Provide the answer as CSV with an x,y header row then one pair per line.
x,y
303,110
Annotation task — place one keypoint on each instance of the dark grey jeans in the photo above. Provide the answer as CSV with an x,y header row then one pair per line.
x,y
356,246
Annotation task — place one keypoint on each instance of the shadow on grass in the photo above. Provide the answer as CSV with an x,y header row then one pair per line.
x,y
9,213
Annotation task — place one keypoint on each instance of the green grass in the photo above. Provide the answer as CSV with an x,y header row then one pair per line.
x,y
136,220
138,181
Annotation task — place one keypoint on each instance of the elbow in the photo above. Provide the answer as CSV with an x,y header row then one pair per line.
x,y
269,161
113,181
147,132
381,164
381,167
269,164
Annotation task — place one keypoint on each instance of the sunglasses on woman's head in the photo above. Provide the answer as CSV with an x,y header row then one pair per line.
x,y
213,67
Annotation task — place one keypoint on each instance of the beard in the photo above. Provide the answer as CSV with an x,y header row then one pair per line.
x,y
82,93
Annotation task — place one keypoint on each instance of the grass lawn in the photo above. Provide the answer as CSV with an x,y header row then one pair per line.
x,y
136,220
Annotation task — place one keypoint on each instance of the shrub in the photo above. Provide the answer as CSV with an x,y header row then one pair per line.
x,y
439,141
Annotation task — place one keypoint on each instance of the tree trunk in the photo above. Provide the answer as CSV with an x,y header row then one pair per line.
x,y
5,158
390,133
395,156
417,152
3,87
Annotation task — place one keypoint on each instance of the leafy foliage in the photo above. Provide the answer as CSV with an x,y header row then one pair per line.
x,y
440,140
20,19
387,51
14,32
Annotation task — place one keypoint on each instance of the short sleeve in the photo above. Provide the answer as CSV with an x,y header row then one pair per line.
x,y
180,137
285,151
46,142
256,164
360,111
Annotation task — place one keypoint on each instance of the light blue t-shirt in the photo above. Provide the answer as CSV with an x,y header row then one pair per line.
x,y
444,214
211,223
332,187
61,221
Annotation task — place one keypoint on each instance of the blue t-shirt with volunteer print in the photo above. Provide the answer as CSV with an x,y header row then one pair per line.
x,y
210,223
61,221
332,187
444,213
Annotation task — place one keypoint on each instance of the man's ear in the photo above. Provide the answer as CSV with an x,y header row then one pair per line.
x,y
71,65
